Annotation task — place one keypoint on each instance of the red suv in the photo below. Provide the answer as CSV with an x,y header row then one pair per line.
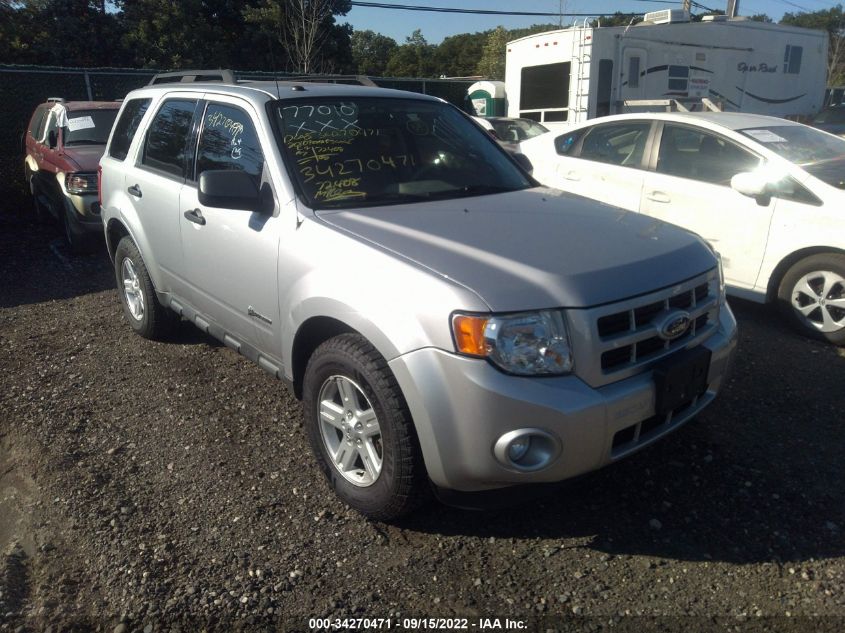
x,y
64,143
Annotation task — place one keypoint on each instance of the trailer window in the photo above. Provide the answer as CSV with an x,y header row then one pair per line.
x,y
678,77
603,92
792,59
545,86
634,72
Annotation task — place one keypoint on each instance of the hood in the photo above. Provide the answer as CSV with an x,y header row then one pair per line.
x,y
537,248
86,157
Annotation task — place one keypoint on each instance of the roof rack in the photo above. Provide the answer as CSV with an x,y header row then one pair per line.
x,y
362,80
190,76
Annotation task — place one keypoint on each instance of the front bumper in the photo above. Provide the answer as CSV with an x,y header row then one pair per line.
x,y
83,213
462,406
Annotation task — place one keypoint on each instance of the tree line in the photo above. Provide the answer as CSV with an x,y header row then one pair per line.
x,y
296,36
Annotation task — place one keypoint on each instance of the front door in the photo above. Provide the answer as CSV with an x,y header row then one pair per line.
x,y
231,255
633,74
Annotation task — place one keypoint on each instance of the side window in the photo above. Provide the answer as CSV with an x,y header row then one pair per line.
x,y
792,190
36,128
634,72
52,126
617,143
167,137
678,78
792,59
229,141
126,126
698,155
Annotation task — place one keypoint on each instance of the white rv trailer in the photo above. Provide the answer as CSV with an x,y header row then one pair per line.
x,y
567,76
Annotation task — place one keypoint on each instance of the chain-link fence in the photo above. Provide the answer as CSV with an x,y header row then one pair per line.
x,y
22,88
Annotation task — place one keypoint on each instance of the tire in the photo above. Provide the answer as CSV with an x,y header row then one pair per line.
x,y
145,314
377,425
41,214
76,243
812,296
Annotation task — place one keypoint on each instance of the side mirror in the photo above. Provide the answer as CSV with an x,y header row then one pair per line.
x,y
228,189
52,139
494,134
751,185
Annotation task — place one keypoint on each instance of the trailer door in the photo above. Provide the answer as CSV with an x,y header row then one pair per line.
x,y
632,74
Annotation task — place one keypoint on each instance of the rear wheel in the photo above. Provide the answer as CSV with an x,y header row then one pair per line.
x,y
145,314
360,429
812,294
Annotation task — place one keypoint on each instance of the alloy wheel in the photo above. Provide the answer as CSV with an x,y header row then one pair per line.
x,y
350,431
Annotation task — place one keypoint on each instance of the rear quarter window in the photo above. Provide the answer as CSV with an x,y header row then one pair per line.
x,y
36,126
167,138
127,126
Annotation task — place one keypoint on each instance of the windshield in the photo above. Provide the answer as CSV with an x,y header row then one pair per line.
x,y
517,130
373,151
88,127
818,153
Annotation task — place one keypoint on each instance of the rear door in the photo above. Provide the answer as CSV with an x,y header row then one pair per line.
x,y
691,187
230,254
605,162
154,186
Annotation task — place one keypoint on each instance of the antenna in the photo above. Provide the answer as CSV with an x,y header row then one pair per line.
x,y
273,64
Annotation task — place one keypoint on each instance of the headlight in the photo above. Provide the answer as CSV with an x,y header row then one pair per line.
x,y
723,295
81,183
526,344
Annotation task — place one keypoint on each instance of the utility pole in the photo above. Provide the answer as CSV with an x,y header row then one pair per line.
x,y
733,8
688,6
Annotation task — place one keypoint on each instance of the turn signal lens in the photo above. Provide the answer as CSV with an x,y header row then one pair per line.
x,y
469,334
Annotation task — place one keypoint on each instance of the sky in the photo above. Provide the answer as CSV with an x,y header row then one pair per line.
x,y
400,24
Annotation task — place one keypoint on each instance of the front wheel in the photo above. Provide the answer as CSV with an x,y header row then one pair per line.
x,y
812,294
360,429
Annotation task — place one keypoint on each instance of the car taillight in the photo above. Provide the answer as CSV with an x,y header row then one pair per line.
x,y
100,184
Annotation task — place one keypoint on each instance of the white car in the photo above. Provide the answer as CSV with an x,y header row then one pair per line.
x,y
767,193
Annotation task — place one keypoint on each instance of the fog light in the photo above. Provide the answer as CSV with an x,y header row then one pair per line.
x,y
527,450
518,448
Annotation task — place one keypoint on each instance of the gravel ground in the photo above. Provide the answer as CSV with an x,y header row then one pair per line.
x,y
169,485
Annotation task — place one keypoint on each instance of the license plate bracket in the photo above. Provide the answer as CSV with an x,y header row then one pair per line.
x,y
680,378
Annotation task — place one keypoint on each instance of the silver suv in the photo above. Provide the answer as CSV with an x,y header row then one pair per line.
x,y
448,323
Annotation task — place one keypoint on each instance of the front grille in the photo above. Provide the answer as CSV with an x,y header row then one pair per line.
x,y
632,333
635,435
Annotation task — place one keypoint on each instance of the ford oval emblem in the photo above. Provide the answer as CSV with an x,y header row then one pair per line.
x,y
674,325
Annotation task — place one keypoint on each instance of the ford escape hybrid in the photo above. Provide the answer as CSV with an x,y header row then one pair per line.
x,y
444,319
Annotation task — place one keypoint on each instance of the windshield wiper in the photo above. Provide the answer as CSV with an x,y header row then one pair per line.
x,y
470,190
85,141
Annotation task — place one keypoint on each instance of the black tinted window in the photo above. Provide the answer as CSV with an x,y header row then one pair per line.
x,y
698,155
616,143
545,86
126,127
229,141
167,137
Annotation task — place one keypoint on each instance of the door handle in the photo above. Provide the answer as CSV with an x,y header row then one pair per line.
x,y
658,196
135,190
572,175
195,216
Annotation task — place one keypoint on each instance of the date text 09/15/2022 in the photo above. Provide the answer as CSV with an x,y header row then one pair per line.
x,y
416,624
